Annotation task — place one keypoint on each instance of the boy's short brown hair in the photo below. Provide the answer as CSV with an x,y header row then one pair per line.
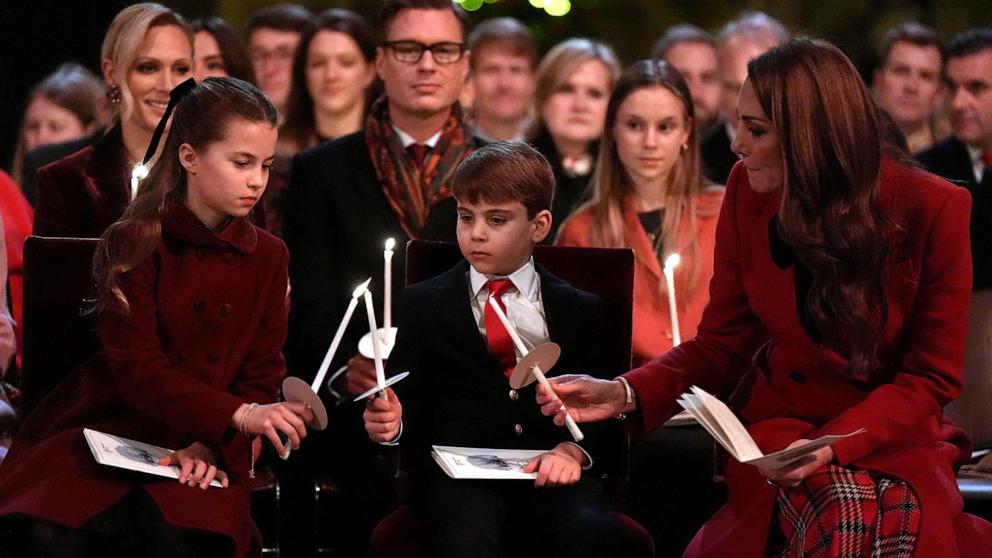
x,y
506,171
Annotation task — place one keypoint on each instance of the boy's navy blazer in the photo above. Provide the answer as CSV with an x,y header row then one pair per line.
x,y
457,393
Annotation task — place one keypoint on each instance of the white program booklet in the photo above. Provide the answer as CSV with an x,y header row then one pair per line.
x,y
484,463
727,429
128,454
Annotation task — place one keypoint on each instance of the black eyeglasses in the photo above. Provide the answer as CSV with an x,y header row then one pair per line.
x,y
410,52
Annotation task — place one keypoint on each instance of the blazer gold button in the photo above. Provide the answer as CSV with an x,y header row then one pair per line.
x,y
518,429
514,395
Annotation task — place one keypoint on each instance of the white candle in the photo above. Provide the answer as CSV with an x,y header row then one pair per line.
x,y
569,421
517,342
671,262
322,371
380,371
387,309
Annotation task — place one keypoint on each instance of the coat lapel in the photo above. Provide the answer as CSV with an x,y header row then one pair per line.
x,y
455,304
559,303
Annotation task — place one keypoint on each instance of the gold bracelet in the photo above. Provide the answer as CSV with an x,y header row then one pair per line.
x,y
628,396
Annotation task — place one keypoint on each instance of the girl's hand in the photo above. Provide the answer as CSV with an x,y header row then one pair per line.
x,y
270,420
557,467
382,417
792,475
197,466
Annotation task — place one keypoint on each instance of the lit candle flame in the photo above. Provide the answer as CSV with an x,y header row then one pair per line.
x,y
671,262
390,243
360,290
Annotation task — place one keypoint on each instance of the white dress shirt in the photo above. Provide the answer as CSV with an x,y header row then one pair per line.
x,y
524,308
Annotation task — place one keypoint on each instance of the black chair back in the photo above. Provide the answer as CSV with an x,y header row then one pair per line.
x,y
59,320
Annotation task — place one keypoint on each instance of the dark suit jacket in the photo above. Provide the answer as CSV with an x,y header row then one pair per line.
x,y
336,221
84,193
716,156
457,394
41,156
950,159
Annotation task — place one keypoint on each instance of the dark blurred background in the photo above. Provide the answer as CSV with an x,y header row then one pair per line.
x,y
40,34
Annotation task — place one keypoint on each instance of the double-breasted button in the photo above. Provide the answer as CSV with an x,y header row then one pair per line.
x,y
200,305
518,429
797,377
514,395
225,309
228,258
213,358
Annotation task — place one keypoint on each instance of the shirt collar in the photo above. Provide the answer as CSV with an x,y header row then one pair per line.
x,y
525,279
408,140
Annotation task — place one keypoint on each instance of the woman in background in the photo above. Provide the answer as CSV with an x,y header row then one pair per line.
x,y
573,85
651,197
219,52
147,51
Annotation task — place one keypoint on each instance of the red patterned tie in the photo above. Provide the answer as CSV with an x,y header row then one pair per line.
x,y
417,152
498,339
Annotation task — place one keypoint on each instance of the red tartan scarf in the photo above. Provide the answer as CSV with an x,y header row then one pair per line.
x,y
411,191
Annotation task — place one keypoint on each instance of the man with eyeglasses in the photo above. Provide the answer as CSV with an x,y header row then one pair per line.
x,y
272,35
347,196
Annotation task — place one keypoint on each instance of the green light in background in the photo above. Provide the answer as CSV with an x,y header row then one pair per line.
x,y
556,7
537,3
471,5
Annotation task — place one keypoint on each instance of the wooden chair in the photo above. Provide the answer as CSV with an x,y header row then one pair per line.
x,y
608,273
60,334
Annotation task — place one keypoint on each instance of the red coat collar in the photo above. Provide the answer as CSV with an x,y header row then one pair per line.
x,y
179,222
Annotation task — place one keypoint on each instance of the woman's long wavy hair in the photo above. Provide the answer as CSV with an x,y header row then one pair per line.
x,y
200,119
611,182
829,133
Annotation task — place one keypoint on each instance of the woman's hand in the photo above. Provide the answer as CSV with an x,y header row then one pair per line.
x,y
270,420
383,416
792,475
558,467
586,398
197,465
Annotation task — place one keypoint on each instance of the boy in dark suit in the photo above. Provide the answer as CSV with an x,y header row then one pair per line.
x,y
459,357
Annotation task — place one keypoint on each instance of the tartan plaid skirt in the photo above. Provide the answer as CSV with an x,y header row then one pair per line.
x,y
841,513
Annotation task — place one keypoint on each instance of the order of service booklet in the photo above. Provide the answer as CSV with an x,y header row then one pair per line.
x,y
484,463
727,429
129,454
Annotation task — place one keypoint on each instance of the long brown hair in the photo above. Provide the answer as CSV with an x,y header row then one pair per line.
x,y
830,214
200,119
612,183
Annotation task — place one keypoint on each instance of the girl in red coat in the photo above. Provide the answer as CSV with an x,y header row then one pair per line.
x,y
651,197
839,301
192,319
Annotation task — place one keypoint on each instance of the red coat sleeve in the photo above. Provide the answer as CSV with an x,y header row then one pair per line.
x,y
728,334
931,370
52,215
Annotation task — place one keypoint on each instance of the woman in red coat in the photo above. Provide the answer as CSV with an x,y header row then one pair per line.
x,y
839,301
147,51
193,318
651,197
